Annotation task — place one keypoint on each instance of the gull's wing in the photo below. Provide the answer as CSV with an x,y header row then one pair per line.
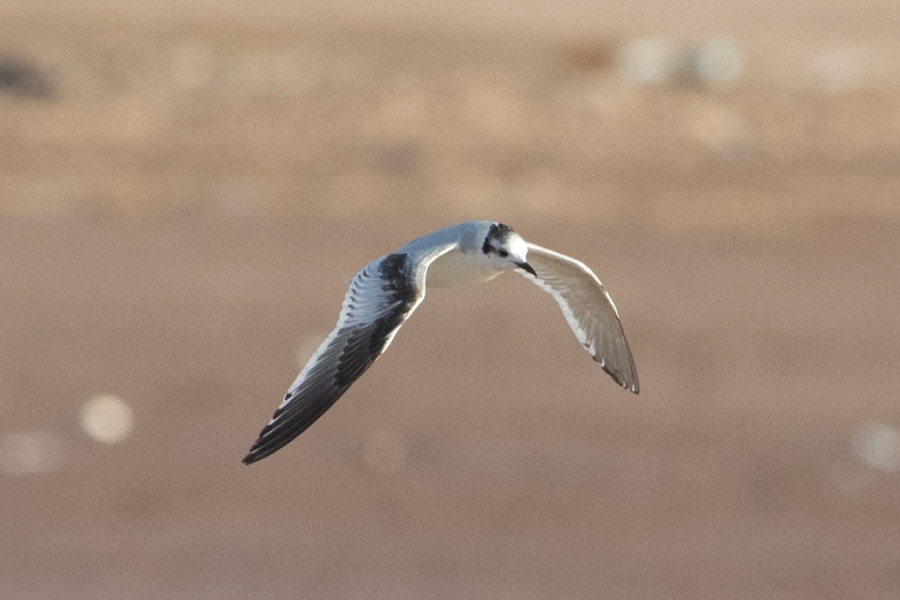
x,y
588,309
381,297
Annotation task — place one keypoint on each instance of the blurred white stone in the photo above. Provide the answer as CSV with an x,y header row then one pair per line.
x,y
717,61
384,451
107,419
878,445
843,69
654,61
648,61
30,452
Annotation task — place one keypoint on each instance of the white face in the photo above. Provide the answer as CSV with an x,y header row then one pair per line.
x,y
516,248
506,247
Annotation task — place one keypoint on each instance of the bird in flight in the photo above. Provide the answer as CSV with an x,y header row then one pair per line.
x,y
384,293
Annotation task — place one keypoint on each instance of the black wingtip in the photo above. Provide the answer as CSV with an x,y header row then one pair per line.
x,y
259,451
253,455
635,387
629,383
632,384
632,387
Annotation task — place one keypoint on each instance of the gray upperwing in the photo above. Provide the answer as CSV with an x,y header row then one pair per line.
x,y
588,310
380,299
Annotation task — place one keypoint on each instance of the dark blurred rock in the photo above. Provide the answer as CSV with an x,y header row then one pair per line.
x,y
597,55
401,158
23,79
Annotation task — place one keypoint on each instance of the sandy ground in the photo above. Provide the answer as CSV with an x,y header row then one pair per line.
x,y
184,195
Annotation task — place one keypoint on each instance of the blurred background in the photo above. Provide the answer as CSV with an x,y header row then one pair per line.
x,y
186,186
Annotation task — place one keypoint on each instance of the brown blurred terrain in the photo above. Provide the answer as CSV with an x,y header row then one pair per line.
x,y
185,189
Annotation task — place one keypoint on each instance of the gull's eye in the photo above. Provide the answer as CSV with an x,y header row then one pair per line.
x,y
502,252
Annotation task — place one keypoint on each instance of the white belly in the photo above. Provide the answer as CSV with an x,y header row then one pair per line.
x,y
456,268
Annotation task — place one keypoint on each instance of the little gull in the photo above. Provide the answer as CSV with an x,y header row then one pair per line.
x,y
387,291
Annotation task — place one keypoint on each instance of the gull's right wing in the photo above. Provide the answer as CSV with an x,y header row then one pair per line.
x,y
380,299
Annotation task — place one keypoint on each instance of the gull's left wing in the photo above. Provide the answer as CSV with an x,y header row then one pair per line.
x,y
588,310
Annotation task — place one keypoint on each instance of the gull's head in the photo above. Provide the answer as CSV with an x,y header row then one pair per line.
x,y
503,246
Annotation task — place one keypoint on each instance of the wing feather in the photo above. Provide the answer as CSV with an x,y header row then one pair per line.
x,y
381,297
588,309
